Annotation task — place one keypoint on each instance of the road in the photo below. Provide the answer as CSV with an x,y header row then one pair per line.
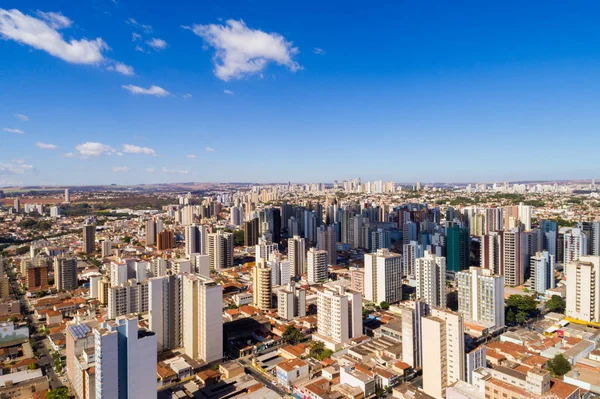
x,y
38,341
267,382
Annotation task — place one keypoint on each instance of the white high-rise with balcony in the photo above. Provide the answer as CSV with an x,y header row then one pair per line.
x,y
383,276
583,282
430,273
339,316
481,297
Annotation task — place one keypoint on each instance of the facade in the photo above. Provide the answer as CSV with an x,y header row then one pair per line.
x,y
37,275
481,297
129,297
195,239
291,302
165,303
316,261
443,351
431,280
297,255
251,232
339,316
491,252
125,358
458,243
220,250
150,232
262,286
412,343
202,318
574,244
411,252
583,282
65,273
89,238
514,257
383,276
541,269
165,240
326,241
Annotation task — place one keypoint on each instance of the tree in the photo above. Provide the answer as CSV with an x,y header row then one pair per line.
x,y
520,307
558,365
238,238
58,393
292,335
556,304
32,366
384,305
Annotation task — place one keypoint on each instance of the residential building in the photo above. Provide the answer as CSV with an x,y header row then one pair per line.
x,y
316,261
297,255
291,302
583,283
431,280
220,250
339,316
383,276
262,287
326,241
165,306
65,273
481,297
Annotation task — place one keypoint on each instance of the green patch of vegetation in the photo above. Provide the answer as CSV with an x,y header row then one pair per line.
x,y
556,304
292,335
519,308
319,352
558,365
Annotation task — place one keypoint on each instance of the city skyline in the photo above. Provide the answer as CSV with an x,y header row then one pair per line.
x,y
127,92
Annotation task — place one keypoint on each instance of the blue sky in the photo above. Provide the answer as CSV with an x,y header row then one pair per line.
x,y
146,91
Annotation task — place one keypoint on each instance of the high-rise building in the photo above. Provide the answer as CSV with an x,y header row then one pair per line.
x,y
457,248
201,264
106,248
202,318
81,372
150,232
67,196
37,275
583,285
412,343
125,358
443,351
575,244
165,303
165,240
251,232
481,297
491,252
339,316
220,250
196,238
383,276
326,241
411,252
297,255
541,269
129,297
265,252
291,302
65,273
550,236
316,261
262,288
514,252
158,267
430,274
118,273
89,238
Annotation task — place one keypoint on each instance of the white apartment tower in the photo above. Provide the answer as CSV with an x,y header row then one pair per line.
x,y
316,261
339,316
443,351
575,244
291,302
220,250
430,274
125,360
481,297
583,283
202,318
383,276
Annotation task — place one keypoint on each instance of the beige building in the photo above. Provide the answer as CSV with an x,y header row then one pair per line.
x,y
481,297
430,274
583,282
297,255
129,297
443,351
202,318
383,276
262,288
220,250
291,302
316,261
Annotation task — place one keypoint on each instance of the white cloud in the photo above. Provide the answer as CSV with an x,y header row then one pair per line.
x,y
319,51
187,95
55,19
191,156
135,149
22,117
150,170
157,44
69,155
175,171
117,169
227,91
94,149
241,51
45,146
151,91
209,149
135,37
16,168
10,130
133,22
43,34
122,69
